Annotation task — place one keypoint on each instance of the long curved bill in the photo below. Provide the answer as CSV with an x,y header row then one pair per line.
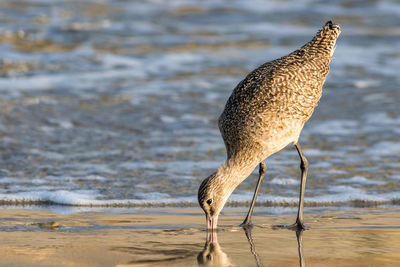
x,y
212,222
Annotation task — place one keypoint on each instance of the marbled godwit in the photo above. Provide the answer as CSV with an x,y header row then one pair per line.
x,y
265,113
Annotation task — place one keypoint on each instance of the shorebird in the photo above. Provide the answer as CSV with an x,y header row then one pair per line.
x,y
266,112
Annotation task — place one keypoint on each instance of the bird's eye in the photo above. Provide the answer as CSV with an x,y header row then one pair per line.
x,y
209,201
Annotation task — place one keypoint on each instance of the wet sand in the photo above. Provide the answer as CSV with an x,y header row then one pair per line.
x,y
176,237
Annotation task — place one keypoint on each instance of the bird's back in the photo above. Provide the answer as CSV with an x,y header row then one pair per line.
x,y
268,109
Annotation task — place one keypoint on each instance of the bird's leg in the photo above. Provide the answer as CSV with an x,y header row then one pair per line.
x,y
262,171
304,170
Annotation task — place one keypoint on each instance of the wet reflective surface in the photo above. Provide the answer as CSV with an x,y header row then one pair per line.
x,y
116,237
116,102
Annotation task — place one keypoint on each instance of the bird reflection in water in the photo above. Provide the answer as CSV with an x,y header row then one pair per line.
x,y
247,231
212,254
299,235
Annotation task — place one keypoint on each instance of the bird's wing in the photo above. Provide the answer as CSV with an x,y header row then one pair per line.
x,y
234,110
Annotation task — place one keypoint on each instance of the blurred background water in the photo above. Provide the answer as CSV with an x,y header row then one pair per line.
x,y
116,102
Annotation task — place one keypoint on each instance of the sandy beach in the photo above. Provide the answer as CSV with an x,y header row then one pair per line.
x,y
176,237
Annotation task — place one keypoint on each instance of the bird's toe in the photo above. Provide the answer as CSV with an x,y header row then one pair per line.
x,y
297,226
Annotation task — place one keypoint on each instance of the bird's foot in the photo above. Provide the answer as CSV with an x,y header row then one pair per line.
x,y
246,224
297,226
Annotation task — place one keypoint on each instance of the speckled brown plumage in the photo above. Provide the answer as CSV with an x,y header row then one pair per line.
x,y
267,111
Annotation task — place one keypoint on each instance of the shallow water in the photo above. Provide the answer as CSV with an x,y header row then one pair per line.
x,y
116,237
116,102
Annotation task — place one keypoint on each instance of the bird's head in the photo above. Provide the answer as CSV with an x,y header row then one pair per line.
x,y
212,196
325,40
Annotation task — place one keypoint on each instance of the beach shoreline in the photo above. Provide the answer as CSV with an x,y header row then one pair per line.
x,y
177,237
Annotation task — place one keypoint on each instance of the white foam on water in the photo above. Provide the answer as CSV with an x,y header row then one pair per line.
x,y
345,189
395,177
283,181
167,119
361,180
112,60
9,180
88,198
93,168
136,165
385,148
365,83
153,195
38,181
314,152
82,80
58,197
381,118
47,154
336,127
195,118
343,195
375,97
336,172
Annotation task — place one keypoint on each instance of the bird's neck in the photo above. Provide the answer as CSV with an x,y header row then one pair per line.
x,y
233,171
321,45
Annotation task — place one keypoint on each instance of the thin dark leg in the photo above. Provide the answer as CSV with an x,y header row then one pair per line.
x,y
304,170
262,171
